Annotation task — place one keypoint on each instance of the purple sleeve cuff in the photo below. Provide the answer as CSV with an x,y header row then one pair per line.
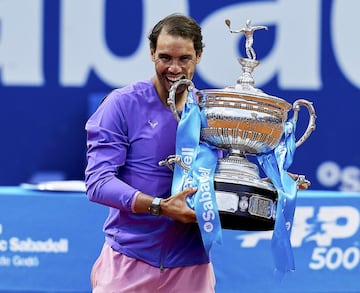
x,y
134,200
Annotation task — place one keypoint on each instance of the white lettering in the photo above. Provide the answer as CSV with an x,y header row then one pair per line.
x,y
208,227
337,222
47,246
301,227
30,261
335,257
329,224
3,245
83,48
350,179
346,47
187,155
209,215
5,261
21,45
330,174
205,198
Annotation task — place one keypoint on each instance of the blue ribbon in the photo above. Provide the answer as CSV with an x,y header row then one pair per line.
x,y
275,165
187,144
201,159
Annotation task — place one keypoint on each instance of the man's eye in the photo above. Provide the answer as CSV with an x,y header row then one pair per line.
x,y
185,59
164,59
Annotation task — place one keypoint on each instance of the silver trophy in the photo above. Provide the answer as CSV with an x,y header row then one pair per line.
x,y
243,121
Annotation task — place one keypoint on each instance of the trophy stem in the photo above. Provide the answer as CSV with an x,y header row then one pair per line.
x,y
237,163
236,168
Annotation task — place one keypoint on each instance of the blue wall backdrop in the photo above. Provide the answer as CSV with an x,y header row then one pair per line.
x,y
55,55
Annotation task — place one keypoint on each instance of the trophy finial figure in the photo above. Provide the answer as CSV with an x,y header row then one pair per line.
x,y
248,31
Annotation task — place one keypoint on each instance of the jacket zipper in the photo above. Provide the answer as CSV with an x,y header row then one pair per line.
x,y
164,248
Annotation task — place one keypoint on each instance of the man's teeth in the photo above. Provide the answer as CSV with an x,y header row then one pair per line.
x,y
175,80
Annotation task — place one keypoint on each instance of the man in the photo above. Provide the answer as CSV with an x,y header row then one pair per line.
x,y
153,243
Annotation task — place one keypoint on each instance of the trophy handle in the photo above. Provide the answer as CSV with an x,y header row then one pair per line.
x,y
172,92
311,125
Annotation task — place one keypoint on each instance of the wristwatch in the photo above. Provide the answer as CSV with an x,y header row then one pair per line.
x,y
155,208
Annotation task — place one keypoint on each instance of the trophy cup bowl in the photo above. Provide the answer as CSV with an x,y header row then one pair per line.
x,y
249,123
242,120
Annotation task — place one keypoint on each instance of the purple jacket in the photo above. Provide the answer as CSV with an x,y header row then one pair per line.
x,y
128,135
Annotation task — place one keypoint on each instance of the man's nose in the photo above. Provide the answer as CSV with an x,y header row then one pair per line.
x,y
175,65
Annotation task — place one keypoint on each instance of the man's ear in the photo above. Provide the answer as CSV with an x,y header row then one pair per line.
x,y
198,58
152,55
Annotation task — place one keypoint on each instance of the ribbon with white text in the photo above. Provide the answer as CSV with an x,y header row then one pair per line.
x,y
201,160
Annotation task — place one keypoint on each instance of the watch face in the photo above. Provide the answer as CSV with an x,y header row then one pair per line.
x,y
155,207
155,210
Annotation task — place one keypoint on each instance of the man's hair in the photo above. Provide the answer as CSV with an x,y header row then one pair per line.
x,y
178,25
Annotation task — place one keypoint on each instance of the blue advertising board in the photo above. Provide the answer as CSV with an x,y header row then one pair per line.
x,y
325,241
64,51
50,240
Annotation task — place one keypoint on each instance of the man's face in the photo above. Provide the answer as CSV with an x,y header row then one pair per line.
x,y
175,58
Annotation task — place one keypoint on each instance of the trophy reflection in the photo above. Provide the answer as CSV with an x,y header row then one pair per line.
x,y
244,121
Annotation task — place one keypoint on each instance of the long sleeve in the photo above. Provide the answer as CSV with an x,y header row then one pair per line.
x,y
107,144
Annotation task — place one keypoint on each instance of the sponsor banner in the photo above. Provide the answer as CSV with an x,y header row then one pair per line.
x,y
326,246
62,53
50,240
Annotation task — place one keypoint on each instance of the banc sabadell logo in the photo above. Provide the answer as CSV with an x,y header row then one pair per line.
x,y
26,67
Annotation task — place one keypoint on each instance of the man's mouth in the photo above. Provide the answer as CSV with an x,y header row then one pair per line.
x,y
171,81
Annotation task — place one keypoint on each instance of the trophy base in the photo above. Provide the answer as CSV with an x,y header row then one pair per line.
x,y
244,207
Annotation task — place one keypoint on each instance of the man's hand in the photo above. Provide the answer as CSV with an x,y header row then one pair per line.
x,y
177,208
300,180
174,207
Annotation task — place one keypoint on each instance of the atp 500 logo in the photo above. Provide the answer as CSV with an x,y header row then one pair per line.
x,y
332,229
